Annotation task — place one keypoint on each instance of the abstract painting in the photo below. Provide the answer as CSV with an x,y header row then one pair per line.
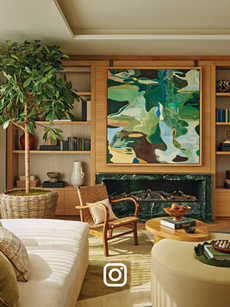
x,y
153,116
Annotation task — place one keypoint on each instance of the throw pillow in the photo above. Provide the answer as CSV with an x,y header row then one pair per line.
x,y
9,294
98,213
12,247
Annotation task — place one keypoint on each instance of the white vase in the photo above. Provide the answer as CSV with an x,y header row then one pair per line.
x,y
77,176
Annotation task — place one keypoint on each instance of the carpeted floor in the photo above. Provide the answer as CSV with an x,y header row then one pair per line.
x,y
122,250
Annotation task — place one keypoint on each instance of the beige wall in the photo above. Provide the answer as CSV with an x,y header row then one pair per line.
x,y
2,159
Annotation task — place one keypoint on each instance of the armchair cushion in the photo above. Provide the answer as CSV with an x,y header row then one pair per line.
x,y
98,212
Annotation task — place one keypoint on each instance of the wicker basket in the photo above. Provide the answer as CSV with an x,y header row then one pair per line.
x,y
39,206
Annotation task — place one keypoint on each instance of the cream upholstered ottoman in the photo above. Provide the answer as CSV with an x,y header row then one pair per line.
x,y
180,280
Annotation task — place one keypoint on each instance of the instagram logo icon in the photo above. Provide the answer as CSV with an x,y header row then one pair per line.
x,y
115,274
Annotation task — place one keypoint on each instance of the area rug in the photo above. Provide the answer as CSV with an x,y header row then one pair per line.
x,y
137,260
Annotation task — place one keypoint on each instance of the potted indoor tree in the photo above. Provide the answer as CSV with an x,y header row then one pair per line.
x,y
32,83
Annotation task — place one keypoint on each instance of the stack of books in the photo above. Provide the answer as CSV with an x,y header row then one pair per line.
x,y
74,143
184,222
222,115
211,253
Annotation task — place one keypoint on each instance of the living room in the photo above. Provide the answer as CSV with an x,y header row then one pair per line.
x,y
114,48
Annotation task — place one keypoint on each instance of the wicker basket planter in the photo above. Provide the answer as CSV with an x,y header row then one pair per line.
x,y
39,206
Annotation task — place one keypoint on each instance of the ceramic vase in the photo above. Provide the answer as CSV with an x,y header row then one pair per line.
x,y
31,141
77,176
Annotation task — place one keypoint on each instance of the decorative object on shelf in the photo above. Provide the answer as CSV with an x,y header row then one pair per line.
x,y
31,141
177,211
49,142
53,176
222,86
58,184
33,183
77,176
225,145
24,86
49,147
159,121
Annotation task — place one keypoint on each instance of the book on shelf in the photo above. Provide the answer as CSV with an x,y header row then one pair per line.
x,y
184,222
86,111
212,253
222,115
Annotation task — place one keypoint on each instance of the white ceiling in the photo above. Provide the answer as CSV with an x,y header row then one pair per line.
x,y
121,27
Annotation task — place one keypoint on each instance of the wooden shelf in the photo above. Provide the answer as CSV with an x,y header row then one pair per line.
x,y
222,152
57,122
37,151
83,93
223,94
222,123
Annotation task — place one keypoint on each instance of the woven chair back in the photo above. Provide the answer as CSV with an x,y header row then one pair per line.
x,y
91,194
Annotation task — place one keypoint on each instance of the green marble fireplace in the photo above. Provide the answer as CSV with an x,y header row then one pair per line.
x,y
197,185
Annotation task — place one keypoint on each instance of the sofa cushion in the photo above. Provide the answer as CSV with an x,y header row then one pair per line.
x,y
98,212
12,247
49,232
52,275
9,294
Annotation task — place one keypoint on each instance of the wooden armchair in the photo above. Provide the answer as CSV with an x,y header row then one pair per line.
x,y
95,193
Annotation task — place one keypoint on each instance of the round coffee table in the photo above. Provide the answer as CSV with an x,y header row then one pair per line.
x,y
160,232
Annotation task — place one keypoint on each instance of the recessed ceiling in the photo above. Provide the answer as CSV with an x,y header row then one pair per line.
x,y
121,27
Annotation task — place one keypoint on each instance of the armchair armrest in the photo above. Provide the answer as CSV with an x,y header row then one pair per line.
x,y
106,210
128,198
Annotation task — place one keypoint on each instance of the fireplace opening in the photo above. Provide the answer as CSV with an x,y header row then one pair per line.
x,y
155,190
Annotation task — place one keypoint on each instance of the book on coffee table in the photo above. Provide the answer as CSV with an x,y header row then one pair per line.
x,y
211,253
184,222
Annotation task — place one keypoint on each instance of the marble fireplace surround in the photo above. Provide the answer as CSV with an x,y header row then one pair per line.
x,y
199,185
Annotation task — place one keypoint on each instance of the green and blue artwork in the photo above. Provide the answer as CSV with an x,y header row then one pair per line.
x,y
153,116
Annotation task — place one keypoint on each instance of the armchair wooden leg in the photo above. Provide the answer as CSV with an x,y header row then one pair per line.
x,y
110,233
105,243
135,233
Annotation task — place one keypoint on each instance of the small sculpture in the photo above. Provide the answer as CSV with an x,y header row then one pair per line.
x,y
53,176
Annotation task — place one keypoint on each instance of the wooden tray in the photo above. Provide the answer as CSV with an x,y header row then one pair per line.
x,y
220,249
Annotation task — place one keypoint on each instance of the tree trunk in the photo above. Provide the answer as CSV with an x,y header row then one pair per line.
x,y
27,158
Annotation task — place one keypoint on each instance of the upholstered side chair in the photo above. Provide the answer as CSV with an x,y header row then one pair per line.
x,y
88,195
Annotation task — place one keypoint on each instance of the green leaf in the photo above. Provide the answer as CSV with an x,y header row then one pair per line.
x,y
6,124
65,56
53,141
43,80
30,127
53,134
8,42
27,82
58,130
45,136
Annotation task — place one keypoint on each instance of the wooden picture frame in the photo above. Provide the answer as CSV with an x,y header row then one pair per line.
x,y
154,116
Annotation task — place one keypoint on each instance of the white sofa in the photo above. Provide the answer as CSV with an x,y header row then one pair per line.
x,y
58,253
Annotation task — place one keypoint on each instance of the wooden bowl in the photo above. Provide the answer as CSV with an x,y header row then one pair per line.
x,y
177,214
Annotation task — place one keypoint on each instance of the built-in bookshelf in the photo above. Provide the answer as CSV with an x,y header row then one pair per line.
x,y
43,161
222,124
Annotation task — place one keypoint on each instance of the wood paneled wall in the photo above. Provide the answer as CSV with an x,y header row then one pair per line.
x,y
101,117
